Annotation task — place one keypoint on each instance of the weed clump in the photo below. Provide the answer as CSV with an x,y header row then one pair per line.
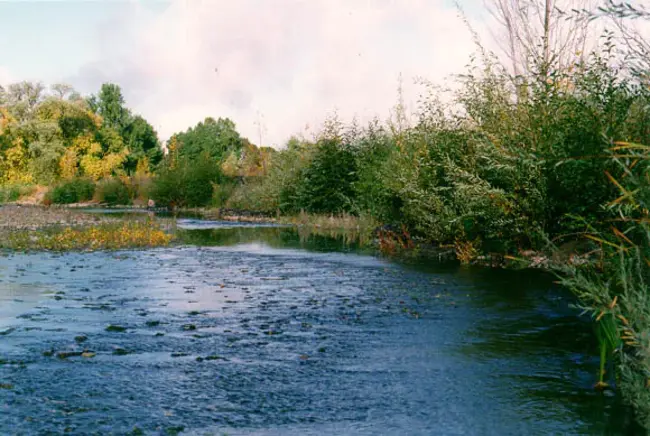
x,y
105,236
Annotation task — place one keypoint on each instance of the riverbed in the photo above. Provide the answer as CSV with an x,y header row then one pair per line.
x,y
254,330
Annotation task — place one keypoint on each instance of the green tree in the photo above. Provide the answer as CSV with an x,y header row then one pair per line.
x,y
216,138
109,104
142,141
326,184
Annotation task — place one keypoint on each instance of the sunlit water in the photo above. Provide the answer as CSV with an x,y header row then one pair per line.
x,y
253,330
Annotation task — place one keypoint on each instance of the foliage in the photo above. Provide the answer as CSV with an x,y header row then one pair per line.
x,y
113,191
185,183
11,193
109,104
142,142
212,138
72,191
221,193
326,184
46,137
106,236
277,189
615,288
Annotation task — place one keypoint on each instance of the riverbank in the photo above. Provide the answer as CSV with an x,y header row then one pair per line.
x,y
34,217
36,228
366,231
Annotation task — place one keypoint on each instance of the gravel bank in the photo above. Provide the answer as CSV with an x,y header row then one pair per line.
x,y
21,217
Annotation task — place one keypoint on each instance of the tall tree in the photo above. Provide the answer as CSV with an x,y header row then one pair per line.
x,y
214,137
109,103
142,141
22,98
538,36
61,90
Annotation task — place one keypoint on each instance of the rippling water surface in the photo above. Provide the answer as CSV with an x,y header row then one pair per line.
x,y
255,331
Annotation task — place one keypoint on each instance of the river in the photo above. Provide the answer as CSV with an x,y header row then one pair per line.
x,y
255,330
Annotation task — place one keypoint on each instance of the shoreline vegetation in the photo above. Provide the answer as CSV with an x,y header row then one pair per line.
x,y
545,164
68,227
39,228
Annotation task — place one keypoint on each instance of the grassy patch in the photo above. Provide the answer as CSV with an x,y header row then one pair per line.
x,y
354,228
11,193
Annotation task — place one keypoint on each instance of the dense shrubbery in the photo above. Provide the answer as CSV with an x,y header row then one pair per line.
x,y
113,191
500,173
71,191
186,183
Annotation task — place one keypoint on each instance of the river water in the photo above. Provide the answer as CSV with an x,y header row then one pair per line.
x,y
254,330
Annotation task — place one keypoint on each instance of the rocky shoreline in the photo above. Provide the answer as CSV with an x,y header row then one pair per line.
x,y
34,217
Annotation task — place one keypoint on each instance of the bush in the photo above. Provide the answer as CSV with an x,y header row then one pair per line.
x,y
222,193
140,187
72,191
254,195
326,184
186,183
113,191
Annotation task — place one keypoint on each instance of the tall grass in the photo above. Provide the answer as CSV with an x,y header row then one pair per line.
x,y
352,228
614,288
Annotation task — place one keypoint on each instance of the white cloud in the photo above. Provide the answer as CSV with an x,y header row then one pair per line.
x,y
293,61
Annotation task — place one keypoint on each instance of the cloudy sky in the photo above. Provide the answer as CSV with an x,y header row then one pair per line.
x,y
288,63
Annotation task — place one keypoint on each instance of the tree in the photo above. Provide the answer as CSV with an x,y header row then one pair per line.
x,y
23,98
109,104
638,47
538,36
327,183
61,90
214,137
142,141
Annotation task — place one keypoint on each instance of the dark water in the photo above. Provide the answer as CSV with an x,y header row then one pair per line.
x,y
261,331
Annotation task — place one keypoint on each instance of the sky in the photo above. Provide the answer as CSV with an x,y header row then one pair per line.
x,y
283,65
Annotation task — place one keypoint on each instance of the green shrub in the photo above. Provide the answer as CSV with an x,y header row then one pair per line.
x,y
72,191
326,184
113,191
13,193
222,192
186,183
254,195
